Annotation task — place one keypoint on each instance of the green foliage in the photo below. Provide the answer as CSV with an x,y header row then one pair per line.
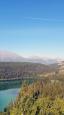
x,y
39,99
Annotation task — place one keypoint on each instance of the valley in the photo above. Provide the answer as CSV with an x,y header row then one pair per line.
x,y
14,76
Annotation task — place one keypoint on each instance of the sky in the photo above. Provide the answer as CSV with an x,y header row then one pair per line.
x,y
32,27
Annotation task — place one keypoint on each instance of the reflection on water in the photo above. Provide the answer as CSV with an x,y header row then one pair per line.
x,y
8,92
10,84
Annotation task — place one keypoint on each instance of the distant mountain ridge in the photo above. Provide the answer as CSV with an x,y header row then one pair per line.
x,y
6,56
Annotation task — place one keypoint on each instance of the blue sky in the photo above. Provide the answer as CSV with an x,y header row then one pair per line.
x,y
32,27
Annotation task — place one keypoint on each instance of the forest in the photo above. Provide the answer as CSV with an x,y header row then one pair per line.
x,y
19,70
44,96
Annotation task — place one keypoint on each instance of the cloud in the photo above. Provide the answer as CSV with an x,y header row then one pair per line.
x,y
44,19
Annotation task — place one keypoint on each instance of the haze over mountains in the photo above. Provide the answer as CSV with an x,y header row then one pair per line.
x,y
6,56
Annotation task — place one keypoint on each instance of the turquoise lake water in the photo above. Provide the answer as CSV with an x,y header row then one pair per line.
x,y
9,91
7,96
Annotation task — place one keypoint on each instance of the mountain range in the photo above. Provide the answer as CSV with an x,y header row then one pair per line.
x,y
6,56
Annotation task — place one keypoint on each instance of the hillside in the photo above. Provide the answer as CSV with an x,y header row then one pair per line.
x,y
42,97
17,70
38,99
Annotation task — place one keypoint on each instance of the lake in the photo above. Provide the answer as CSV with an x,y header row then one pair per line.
x,y
9,91
7,96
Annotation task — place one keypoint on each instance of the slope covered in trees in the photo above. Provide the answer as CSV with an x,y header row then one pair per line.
x,y
43,97
18,70
38,99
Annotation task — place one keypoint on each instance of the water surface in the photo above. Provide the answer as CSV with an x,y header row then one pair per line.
x,y
9,91
7,96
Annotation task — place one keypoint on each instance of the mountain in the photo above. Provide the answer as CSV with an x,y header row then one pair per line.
x,y
61,67
6,56
43,60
